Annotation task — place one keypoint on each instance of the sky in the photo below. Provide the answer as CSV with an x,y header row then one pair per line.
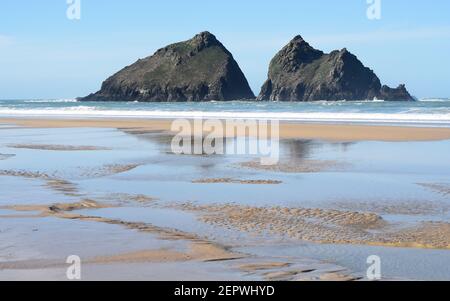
x,y
45,54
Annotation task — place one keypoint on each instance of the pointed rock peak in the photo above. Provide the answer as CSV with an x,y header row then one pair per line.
x,y
205,39
298,39
205,36
344,54
300,43
297,52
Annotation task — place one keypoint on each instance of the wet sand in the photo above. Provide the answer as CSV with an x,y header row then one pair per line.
x,y
303,166
235,181
442,188
287,130
54,180
199,249
195,249
5,156
134,211
41,254
409,208
326,226
53,147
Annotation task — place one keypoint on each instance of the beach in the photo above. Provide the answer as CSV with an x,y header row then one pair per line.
x,y
110,191
236,147
288,130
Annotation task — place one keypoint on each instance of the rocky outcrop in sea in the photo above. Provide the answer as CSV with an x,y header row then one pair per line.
x,y
301,73
200,69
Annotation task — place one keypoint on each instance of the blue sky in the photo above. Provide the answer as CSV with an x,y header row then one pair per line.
x,y
43,54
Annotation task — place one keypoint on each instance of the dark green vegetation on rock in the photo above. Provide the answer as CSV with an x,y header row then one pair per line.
x,y
200,69
301,73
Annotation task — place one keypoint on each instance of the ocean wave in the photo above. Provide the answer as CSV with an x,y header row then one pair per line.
x,y
69,100
351,117
435,100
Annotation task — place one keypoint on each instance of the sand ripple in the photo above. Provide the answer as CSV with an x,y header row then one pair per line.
x,y
60,185
235,181
324,226
441,188
303,166
397,207
107,170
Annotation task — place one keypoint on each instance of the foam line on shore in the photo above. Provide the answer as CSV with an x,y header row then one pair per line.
x,y
92,112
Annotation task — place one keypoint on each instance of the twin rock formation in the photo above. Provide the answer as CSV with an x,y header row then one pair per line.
x,y
202,69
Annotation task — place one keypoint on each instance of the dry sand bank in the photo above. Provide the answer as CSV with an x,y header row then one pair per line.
x,y
287,130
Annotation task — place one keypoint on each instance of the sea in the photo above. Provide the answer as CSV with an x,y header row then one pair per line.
x,y
426,112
